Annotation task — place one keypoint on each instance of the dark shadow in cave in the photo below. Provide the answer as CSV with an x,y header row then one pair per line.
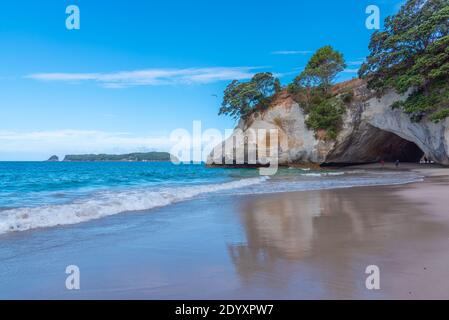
x,y
374,145
395,148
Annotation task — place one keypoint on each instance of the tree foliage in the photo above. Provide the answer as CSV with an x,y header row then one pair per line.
x,y
311,88
242,98
327,115
321,69
412,53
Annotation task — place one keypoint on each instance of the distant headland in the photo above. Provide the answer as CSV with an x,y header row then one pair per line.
x,y
130,157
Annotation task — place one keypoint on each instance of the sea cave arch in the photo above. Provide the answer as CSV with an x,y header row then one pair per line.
x,y
371,144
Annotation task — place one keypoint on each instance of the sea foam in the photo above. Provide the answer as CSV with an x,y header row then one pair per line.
x,y
107,204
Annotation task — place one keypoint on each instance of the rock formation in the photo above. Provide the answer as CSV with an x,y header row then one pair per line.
x,y
371,131
53,159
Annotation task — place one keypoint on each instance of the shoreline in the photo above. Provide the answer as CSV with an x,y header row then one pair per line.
x,y
294,245
368,168
424,170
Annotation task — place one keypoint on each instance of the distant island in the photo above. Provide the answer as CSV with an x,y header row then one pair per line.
x,y
130,157
53,159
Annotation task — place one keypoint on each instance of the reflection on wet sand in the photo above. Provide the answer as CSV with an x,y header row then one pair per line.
x,y
320,242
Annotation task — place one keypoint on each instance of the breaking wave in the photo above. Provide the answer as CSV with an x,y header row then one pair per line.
x,y
108,203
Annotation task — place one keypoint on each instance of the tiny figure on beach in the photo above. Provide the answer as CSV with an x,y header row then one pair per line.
x,y
396,163
382,163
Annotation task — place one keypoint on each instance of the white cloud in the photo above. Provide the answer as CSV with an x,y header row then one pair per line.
x,y
351,70
355,63
40,145
291,52
151,77
63,142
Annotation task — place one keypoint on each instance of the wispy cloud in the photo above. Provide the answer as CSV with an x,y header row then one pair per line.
x,y
39,145
79,141
349,70
354,66
291,52
355,62
151,77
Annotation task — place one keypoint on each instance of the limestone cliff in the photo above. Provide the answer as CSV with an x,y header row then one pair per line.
x,y
371,131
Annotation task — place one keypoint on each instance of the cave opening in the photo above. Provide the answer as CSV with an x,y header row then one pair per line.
x,y
392,147
375,145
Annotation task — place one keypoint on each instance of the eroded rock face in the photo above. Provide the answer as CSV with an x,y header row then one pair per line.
x,y
431,138
372,131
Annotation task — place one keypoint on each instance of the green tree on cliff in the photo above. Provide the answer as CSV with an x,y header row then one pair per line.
x,y
242,98
321,70
412,53
327,115
312,89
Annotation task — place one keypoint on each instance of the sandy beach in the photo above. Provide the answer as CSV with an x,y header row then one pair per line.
x,y
299,245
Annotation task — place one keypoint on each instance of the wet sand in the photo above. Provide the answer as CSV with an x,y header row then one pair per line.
x,y
301,245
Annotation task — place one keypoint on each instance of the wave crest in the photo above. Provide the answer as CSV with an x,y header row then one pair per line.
x,y
107,204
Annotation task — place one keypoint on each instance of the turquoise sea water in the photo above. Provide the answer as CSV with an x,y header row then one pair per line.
x,y
45,194
37,183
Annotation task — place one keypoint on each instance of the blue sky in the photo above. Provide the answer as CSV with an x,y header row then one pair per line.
x,y
136,70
